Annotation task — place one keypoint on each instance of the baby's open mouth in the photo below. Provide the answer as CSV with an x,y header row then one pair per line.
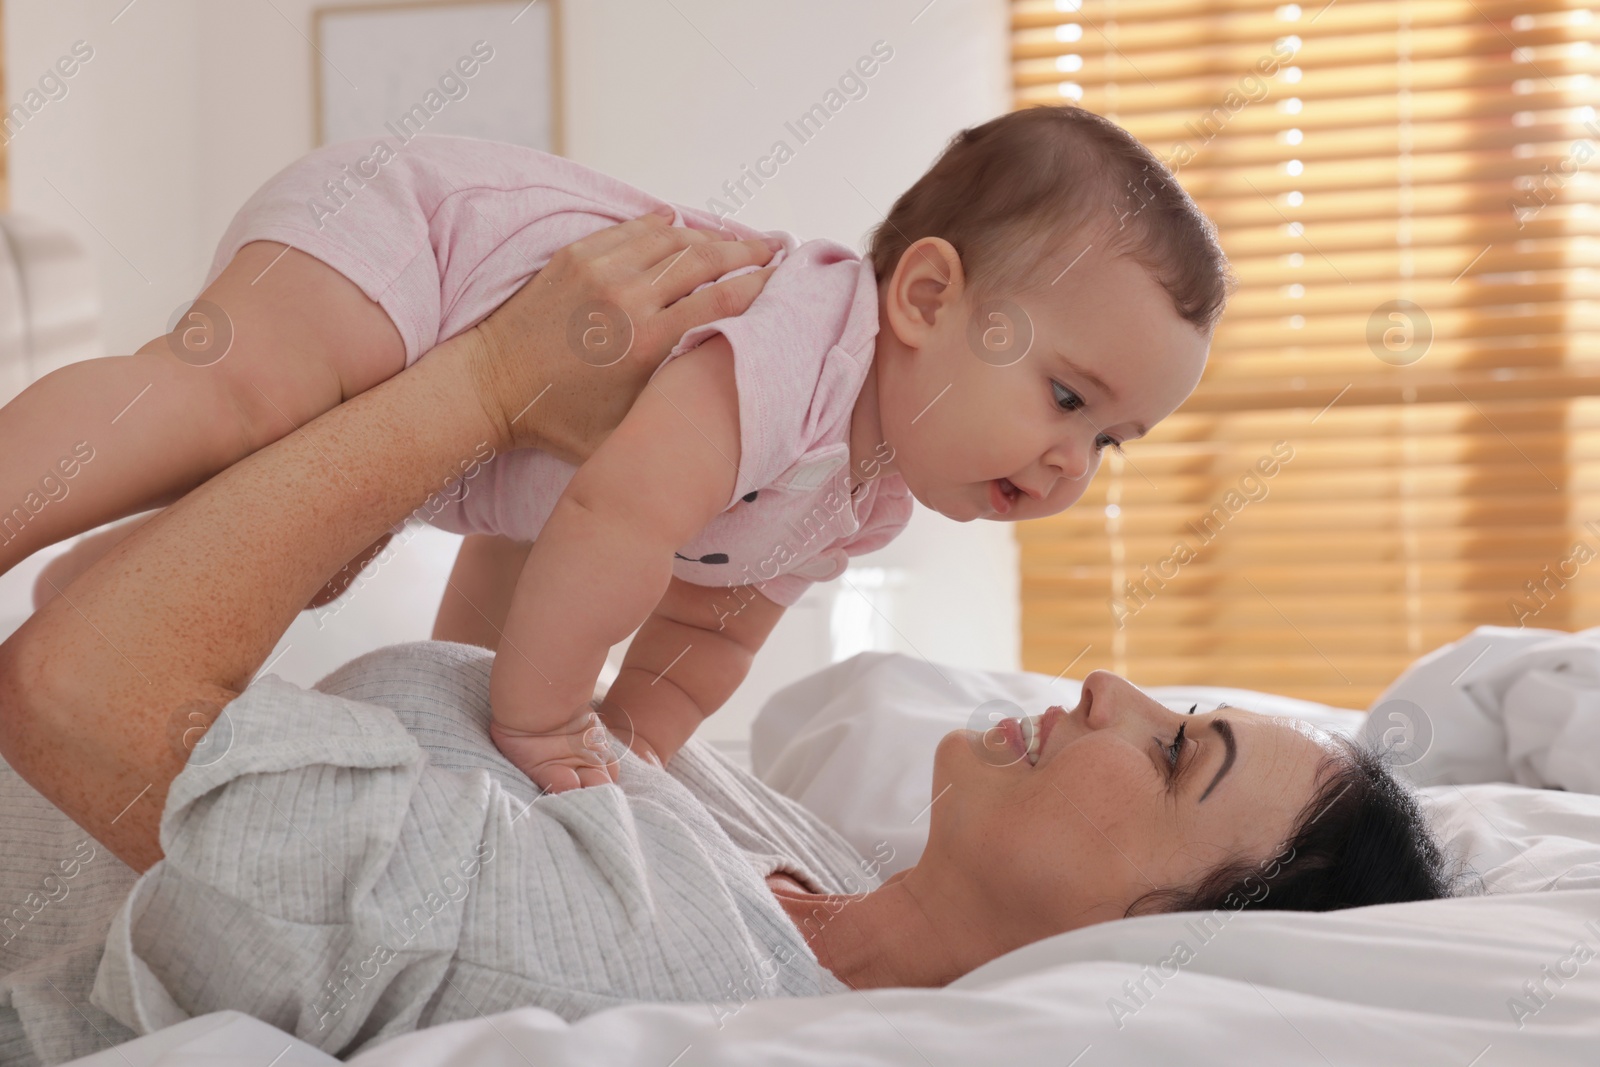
x,y
1004,495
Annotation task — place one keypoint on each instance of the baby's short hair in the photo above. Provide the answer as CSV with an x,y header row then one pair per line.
x,y
1007,195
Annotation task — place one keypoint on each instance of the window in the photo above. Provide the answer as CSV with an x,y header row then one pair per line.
x,y
1397,438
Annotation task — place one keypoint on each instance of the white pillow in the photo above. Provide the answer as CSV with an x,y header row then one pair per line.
x,y
1517,839
854,743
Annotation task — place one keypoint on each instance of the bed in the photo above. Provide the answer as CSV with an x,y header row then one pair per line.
x,y
1505,974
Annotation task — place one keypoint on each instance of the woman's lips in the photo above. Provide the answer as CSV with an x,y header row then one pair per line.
x,y
1012,728
1047,722
1019,733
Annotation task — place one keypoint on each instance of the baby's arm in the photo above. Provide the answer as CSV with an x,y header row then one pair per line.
x,y
603,560
685,662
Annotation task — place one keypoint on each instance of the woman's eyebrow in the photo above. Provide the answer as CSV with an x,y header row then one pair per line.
x,y
1230,750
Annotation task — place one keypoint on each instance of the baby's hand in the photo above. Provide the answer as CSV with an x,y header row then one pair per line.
x,y
573,755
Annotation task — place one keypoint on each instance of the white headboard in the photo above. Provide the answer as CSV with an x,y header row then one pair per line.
x,y
49,302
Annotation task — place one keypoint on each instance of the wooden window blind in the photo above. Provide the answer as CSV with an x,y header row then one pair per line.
x,y
1397,437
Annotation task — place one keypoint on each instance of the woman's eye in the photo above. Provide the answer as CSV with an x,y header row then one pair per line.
x,y
1066,399
1174,750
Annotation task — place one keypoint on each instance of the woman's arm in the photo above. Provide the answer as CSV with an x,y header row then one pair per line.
x,y
60,572
149,644
104,691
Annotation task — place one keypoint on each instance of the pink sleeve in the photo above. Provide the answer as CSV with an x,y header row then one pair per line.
x,y
781,346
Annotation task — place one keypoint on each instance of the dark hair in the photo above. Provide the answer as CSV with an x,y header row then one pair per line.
x,y
1361,840
1006,194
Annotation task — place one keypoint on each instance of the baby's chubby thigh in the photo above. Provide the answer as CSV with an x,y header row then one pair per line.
x,y
277,338
296,336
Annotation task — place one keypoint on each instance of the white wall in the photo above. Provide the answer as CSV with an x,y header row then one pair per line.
x,y
188,106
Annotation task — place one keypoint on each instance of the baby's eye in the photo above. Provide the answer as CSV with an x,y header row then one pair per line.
x,y
1105,441
1066,399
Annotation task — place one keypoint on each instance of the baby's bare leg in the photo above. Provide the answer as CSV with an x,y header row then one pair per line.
x,y
105,438
477,597
61,571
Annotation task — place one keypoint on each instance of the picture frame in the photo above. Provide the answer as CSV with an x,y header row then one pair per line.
x,y
398,68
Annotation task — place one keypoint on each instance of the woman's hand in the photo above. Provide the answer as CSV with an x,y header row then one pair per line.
x,y
174,622
563,359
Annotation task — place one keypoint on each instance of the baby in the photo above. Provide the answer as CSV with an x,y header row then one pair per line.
x,y
1044,292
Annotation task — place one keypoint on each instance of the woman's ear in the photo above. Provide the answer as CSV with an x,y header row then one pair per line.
x,y
927,283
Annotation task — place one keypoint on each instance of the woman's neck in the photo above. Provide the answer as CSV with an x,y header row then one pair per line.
x,y
883,938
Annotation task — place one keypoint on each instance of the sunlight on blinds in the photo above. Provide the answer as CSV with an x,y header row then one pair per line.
x,y
1398,434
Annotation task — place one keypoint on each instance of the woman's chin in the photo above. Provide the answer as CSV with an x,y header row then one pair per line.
x,y
951,757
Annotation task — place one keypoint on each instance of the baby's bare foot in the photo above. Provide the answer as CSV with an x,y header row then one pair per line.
x,y
60,572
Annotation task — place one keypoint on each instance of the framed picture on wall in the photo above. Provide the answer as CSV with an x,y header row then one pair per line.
x,y
464,67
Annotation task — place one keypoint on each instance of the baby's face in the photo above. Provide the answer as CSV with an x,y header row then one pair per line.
x,y
1109,358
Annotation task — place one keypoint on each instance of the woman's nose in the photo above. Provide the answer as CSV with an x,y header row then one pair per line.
x,y
1099,699
1110,700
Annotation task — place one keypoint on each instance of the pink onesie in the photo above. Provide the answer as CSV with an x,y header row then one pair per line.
x,y
440,231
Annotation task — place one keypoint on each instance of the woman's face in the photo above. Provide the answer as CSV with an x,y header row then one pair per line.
x,y
1097,822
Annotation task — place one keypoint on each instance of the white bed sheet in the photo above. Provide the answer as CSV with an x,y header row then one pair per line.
x,y
1508,977
1273,991
1406,984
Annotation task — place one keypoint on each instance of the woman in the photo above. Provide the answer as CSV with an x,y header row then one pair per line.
x,y
356,861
